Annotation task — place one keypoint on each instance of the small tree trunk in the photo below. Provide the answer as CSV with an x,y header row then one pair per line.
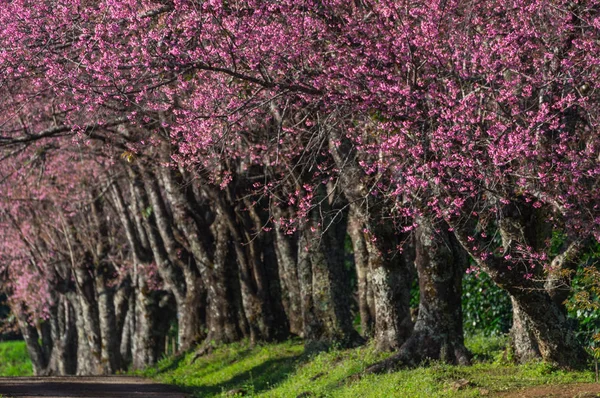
x,y
87,363
191,313
287,259
126,347
258,273
361,262
389,275
555,339
558,285
145,339
179,273
37,355
110,334
63,359
224,299
89,319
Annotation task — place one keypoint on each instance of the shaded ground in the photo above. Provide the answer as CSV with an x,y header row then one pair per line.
x,y
86,387
587,390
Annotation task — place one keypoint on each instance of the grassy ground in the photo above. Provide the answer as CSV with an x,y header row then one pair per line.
x,y
14,360
284,370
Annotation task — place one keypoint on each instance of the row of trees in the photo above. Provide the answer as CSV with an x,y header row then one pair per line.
x,y
202,163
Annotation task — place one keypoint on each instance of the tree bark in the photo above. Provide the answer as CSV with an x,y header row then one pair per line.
x,y
366,305
438,332
144,341
391,280
175,265
258,274
38,353
390,275
323,281
222,299
87,362
555,339
522,339
63,360
286,249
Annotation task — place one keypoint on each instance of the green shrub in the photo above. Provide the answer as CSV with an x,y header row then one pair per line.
x,y
486,307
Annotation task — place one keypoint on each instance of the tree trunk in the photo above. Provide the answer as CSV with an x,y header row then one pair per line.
x,y
191,313
37,353
148,325
89,318
63,360
127,336
258,275
391,279
558,285
174,265
110,334
438,332
522,339
222,323
389,274
87,363
287,258
361,262
555,339
323,283
224,297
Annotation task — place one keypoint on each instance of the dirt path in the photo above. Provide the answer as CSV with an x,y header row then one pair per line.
x,y
581,390
86,387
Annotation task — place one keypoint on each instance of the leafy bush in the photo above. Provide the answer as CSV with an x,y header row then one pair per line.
x,y
486,307
584,303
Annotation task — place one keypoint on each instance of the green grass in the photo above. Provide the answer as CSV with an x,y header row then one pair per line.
x,y
284,370
14,360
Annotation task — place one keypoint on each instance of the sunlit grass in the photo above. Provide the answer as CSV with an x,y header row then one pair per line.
x,y
14,360
284,370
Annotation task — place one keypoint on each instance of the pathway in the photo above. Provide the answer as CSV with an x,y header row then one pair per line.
x,y
85,387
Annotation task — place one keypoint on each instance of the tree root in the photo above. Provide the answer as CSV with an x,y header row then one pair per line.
x,y
204,349
420,348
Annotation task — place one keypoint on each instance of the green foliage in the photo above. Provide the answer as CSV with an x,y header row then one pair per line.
x,y
147,212
284,370
14,360
414,294
486,308
584,303
487,348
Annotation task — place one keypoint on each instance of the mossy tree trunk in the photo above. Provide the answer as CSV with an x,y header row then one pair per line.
x,y
324,289
438,330
366,305
389,275
519,225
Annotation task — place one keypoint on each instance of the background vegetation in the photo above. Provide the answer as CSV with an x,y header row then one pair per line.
x,y
14,360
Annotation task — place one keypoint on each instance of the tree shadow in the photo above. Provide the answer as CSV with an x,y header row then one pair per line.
x,y
253,381
173,364
203,368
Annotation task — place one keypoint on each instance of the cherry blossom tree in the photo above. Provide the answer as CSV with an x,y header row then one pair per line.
x,y
242,141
